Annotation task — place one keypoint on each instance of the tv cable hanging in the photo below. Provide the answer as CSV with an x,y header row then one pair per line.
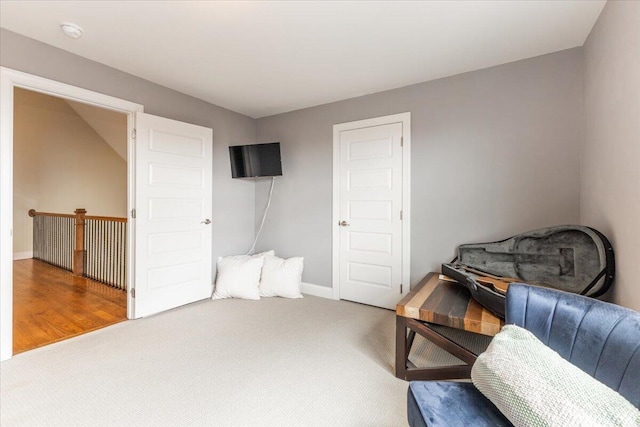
x,y
264,216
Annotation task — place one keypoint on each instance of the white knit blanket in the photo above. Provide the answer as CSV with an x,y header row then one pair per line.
x,y
532,385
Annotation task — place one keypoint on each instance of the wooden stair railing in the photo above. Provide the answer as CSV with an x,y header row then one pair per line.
x,y
89,246
53,235
79,251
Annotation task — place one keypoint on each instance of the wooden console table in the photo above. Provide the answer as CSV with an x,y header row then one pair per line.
x,y
442,303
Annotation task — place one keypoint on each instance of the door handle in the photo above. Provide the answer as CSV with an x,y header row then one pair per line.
x,y
343,224
206,221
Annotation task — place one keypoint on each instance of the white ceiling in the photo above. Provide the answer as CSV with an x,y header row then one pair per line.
x,y
262,58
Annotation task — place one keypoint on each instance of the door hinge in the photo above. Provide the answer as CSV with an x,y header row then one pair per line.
x,y
402,141
133,293
133,213
400,288
133,134
401,215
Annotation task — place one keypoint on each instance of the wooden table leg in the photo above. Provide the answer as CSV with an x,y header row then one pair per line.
x,y
402,352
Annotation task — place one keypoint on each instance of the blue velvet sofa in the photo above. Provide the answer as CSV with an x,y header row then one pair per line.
x,y
600,338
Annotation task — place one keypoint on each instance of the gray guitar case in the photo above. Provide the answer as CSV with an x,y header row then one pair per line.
x,y
571,258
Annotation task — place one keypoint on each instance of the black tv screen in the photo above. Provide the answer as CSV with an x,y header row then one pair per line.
x,y
250,161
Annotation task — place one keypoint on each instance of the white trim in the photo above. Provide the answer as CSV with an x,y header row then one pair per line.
x,y
406,203
63,90
405,119
335,229
22,255
6,217
9,79
131,203
316,290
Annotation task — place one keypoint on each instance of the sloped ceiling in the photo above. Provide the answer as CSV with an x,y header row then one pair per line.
x,y
109,125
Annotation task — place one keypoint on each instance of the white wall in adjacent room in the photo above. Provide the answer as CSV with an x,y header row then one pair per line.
x,y
60,164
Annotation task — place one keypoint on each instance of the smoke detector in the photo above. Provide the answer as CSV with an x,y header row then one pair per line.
x,y
71,30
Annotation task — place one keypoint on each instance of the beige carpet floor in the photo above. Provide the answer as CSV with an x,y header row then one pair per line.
x,y
273,362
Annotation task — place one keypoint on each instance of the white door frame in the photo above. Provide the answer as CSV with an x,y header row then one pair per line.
x,y
9,79
405,119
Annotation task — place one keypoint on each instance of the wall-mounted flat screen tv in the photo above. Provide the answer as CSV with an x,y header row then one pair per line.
x,y
250,161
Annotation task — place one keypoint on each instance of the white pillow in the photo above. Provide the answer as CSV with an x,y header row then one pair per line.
x,y
238,277
235,277
533,385
281,277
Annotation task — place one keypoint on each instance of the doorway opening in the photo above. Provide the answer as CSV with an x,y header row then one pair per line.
x,y
10,80
69,218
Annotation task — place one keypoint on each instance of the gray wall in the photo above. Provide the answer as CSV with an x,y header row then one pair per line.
x,y
494,153
233,200
611,151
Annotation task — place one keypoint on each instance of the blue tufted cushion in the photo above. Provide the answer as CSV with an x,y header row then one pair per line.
x,y
600,338
446,404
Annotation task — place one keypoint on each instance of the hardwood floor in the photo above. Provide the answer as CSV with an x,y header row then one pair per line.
x,y
51,304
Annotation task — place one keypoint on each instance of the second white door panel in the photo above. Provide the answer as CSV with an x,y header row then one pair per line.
x,y
161,209
368,148
380,243
372,210
175,176
370,179
370,274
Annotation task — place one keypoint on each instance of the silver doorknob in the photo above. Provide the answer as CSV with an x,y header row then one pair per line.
x,y
343,224
206,221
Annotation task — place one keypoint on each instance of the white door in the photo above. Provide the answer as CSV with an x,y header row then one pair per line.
x,y
173,213
370,224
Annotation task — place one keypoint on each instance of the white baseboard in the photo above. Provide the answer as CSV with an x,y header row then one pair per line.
x,y
316,290
22,255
